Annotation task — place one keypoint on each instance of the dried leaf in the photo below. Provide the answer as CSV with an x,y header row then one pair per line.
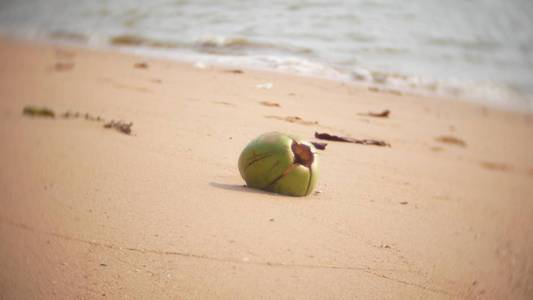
x,y
319,146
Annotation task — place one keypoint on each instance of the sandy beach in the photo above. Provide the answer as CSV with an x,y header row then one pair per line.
x,y
446,212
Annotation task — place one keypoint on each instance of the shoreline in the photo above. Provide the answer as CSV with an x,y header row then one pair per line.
x,y
88,211
321,70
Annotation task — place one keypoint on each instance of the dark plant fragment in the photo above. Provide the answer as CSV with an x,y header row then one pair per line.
x,y
34,111
335,138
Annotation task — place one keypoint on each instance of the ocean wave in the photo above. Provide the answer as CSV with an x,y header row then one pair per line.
x,y
490,93
68,36
214,45
224,42
132,40
467,44
240,45
243,52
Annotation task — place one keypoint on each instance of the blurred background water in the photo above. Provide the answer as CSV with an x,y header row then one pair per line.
x,y
470,49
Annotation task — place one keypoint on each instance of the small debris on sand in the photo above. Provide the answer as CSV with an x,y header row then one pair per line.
x,y
120,126
141,65
451,140
335,138
495,166
270,104
34,111
63,66
235,71
319,146
383,114
266,85
86,116
200,65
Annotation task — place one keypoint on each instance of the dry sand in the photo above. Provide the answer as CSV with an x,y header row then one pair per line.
x,y
88,212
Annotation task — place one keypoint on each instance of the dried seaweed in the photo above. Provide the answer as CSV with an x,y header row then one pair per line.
x,y
335,138
119,126
86,116
34,111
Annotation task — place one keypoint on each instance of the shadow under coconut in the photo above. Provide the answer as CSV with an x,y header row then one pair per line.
x,y
240,188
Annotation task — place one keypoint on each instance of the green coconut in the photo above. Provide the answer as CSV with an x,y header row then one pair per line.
x,y
280,163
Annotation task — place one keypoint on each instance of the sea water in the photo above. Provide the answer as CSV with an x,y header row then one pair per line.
x,y
478,50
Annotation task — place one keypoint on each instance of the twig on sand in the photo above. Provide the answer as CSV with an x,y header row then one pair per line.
x,y
335,138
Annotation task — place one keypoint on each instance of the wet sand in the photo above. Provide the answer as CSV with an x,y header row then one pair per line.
x,y
91,212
